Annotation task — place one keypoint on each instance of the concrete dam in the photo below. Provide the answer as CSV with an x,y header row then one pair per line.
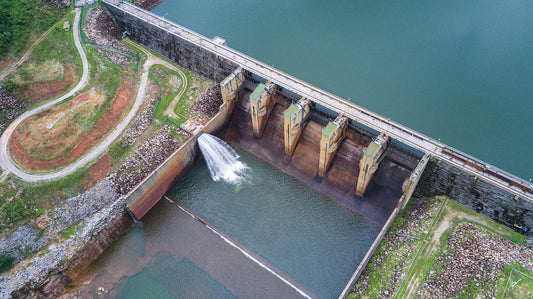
x,y
338,148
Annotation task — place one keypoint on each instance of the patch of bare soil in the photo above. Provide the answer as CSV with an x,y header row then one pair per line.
x,y
39,91
101,168
68,140
4,63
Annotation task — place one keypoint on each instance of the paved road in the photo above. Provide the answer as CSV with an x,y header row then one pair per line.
x,y
351,110
8,164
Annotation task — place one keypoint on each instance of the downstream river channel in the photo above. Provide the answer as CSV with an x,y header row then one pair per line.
x,y
313,242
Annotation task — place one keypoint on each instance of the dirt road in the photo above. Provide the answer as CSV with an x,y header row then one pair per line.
x,y
30,50
7,163
155,60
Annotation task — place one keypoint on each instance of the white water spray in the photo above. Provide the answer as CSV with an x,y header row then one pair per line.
x,y
222,161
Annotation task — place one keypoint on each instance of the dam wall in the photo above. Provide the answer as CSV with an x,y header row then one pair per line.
x,y
141,199
146,29
441,178
340,180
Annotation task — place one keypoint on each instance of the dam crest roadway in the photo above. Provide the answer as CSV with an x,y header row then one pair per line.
x,y
480,169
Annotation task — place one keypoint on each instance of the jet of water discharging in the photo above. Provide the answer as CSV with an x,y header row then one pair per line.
x,y
222,161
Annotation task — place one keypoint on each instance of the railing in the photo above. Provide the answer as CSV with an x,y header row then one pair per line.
x,y
330,101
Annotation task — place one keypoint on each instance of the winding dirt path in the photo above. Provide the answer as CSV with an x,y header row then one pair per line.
x,y
30,50
156,60
6,162
433,241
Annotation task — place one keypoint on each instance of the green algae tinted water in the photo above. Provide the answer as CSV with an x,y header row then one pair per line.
x,y
461,71
312,240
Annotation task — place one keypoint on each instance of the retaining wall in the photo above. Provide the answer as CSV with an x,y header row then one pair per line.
x,y
157,183
156,34
441,178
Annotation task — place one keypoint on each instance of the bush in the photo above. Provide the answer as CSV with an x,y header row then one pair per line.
x,y
6,262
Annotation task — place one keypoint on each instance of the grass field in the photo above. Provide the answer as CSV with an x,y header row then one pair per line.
x,y
410,261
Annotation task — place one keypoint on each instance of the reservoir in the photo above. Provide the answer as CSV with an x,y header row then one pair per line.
x,y
455,70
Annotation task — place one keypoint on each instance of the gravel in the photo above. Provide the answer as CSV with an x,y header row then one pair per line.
x,y
146,158
101,29
210,101
25,240
476,257
11,106
139,124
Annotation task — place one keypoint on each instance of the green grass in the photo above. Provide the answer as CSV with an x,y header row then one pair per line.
x,y
71,230
182,110
6,263
116,151
515,281
58,45
21,19
168,91
105,75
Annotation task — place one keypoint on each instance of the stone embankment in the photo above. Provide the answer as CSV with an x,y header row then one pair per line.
x,y
476,258
138,125
102,213
210,101
145,159
10,107
101,29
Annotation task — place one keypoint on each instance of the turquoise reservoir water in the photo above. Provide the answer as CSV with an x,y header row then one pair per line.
x,y
310,239
457,70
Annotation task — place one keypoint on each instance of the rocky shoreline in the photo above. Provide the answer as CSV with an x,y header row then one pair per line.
x,y
104,219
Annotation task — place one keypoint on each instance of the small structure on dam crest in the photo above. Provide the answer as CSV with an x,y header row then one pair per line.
x,y
295,118
370,161
332,136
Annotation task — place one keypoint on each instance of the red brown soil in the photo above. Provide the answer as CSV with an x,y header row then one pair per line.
x,y
103,126
4,63
101,168
39,91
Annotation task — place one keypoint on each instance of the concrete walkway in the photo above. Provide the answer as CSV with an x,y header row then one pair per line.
x,y
7,163
335,103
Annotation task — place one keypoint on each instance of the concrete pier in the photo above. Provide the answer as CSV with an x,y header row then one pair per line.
x,y
230,86
295,118
261,105
332,136
370,162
